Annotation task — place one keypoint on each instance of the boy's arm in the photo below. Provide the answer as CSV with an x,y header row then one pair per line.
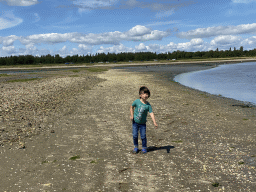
x,y
131,111
153,118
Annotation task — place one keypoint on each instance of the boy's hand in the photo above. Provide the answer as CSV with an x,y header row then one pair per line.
x,y
156,126
131,117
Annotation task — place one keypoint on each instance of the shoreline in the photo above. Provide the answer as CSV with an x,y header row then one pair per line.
x,y
216,62
168,73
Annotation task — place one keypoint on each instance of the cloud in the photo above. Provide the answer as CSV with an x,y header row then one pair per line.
x,y
162,14
37,17
8,41
250,42
164,23
9,49
87,5
8,20
20,2
164,6
141,47
225,40
197,44
193,45
219,30
92,4
83,47
49,38
115,49
243,1
137,33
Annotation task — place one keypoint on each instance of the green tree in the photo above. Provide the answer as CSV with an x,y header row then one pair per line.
x,y
58,59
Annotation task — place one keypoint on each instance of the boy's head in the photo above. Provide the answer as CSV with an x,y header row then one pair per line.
x,y
144,89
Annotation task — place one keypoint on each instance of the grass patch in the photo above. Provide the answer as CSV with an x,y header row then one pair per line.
x,y
22,80
245,119
75,71
4,75
92,69
74,76
216,184
179,141
241,162
74,158
45,161
253,155
204,95
93,161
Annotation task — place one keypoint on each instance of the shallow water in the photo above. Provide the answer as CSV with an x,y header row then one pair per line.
x,y
236,81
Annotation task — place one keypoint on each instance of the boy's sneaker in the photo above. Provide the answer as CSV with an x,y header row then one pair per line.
x,y
144,151
135,150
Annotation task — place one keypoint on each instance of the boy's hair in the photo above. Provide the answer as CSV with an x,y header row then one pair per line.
x,y
144,89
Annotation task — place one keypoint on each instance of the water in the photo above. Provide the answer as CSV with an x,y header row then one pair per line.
x,y
236,81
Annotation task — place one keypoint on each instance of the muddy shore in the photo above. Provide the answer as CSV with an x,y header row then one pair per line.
x,y
70,131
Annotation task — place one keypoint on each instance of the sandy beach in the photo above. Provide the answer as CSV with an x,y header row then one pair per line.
x,y
70,131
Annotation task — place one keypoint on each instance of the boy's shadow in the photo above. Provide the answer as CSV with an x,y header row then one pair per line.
x,y
153,148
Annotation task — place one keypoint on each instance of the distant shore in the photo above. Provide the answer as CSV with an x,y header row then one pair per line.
x,y
177,62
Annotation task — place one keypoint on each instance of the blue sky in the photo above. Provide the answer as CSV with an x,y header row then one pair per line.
x,y
70,27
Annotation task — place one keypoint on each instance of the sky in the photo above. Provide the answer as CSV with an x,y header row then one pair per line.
x,y
71,27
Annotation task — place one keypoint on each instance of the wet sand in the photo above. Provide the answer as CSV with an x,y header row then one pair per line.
x,y
72,132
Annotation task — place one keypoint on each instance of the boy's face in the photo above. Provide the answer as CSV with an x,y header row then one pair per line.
x,y
144,96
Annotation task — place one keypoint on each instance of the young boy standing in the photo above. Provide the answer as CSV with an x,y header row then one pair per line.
x,y
139,110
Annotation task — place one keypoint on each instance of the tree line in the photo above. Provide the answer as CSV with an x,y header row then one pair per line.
x,y
124,57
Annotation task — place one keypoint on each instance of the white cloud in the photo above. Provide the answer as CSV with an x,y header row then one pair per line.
x,y
92,4
8,41
221,42
137,33
8,20
115,49
197,41
225,40
138,30
193,45
20,2
249,43
141,47
220,30
162,7
49,38
84,47
243,1
80,50
9,49
162,14
162,23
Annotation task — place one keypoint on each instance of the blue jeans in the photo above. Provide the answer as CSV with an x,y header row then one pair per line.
x,y
135,129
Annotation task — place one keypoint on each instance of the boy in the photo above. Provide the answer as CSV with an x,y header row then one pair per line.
x,y
139,110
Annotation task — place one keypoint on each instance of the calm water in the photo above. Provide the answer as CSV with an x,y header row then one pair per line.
x,y
237,81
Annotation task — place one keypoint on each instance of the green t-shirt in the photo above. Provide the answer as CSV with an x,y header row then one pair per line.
x,y
141,111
